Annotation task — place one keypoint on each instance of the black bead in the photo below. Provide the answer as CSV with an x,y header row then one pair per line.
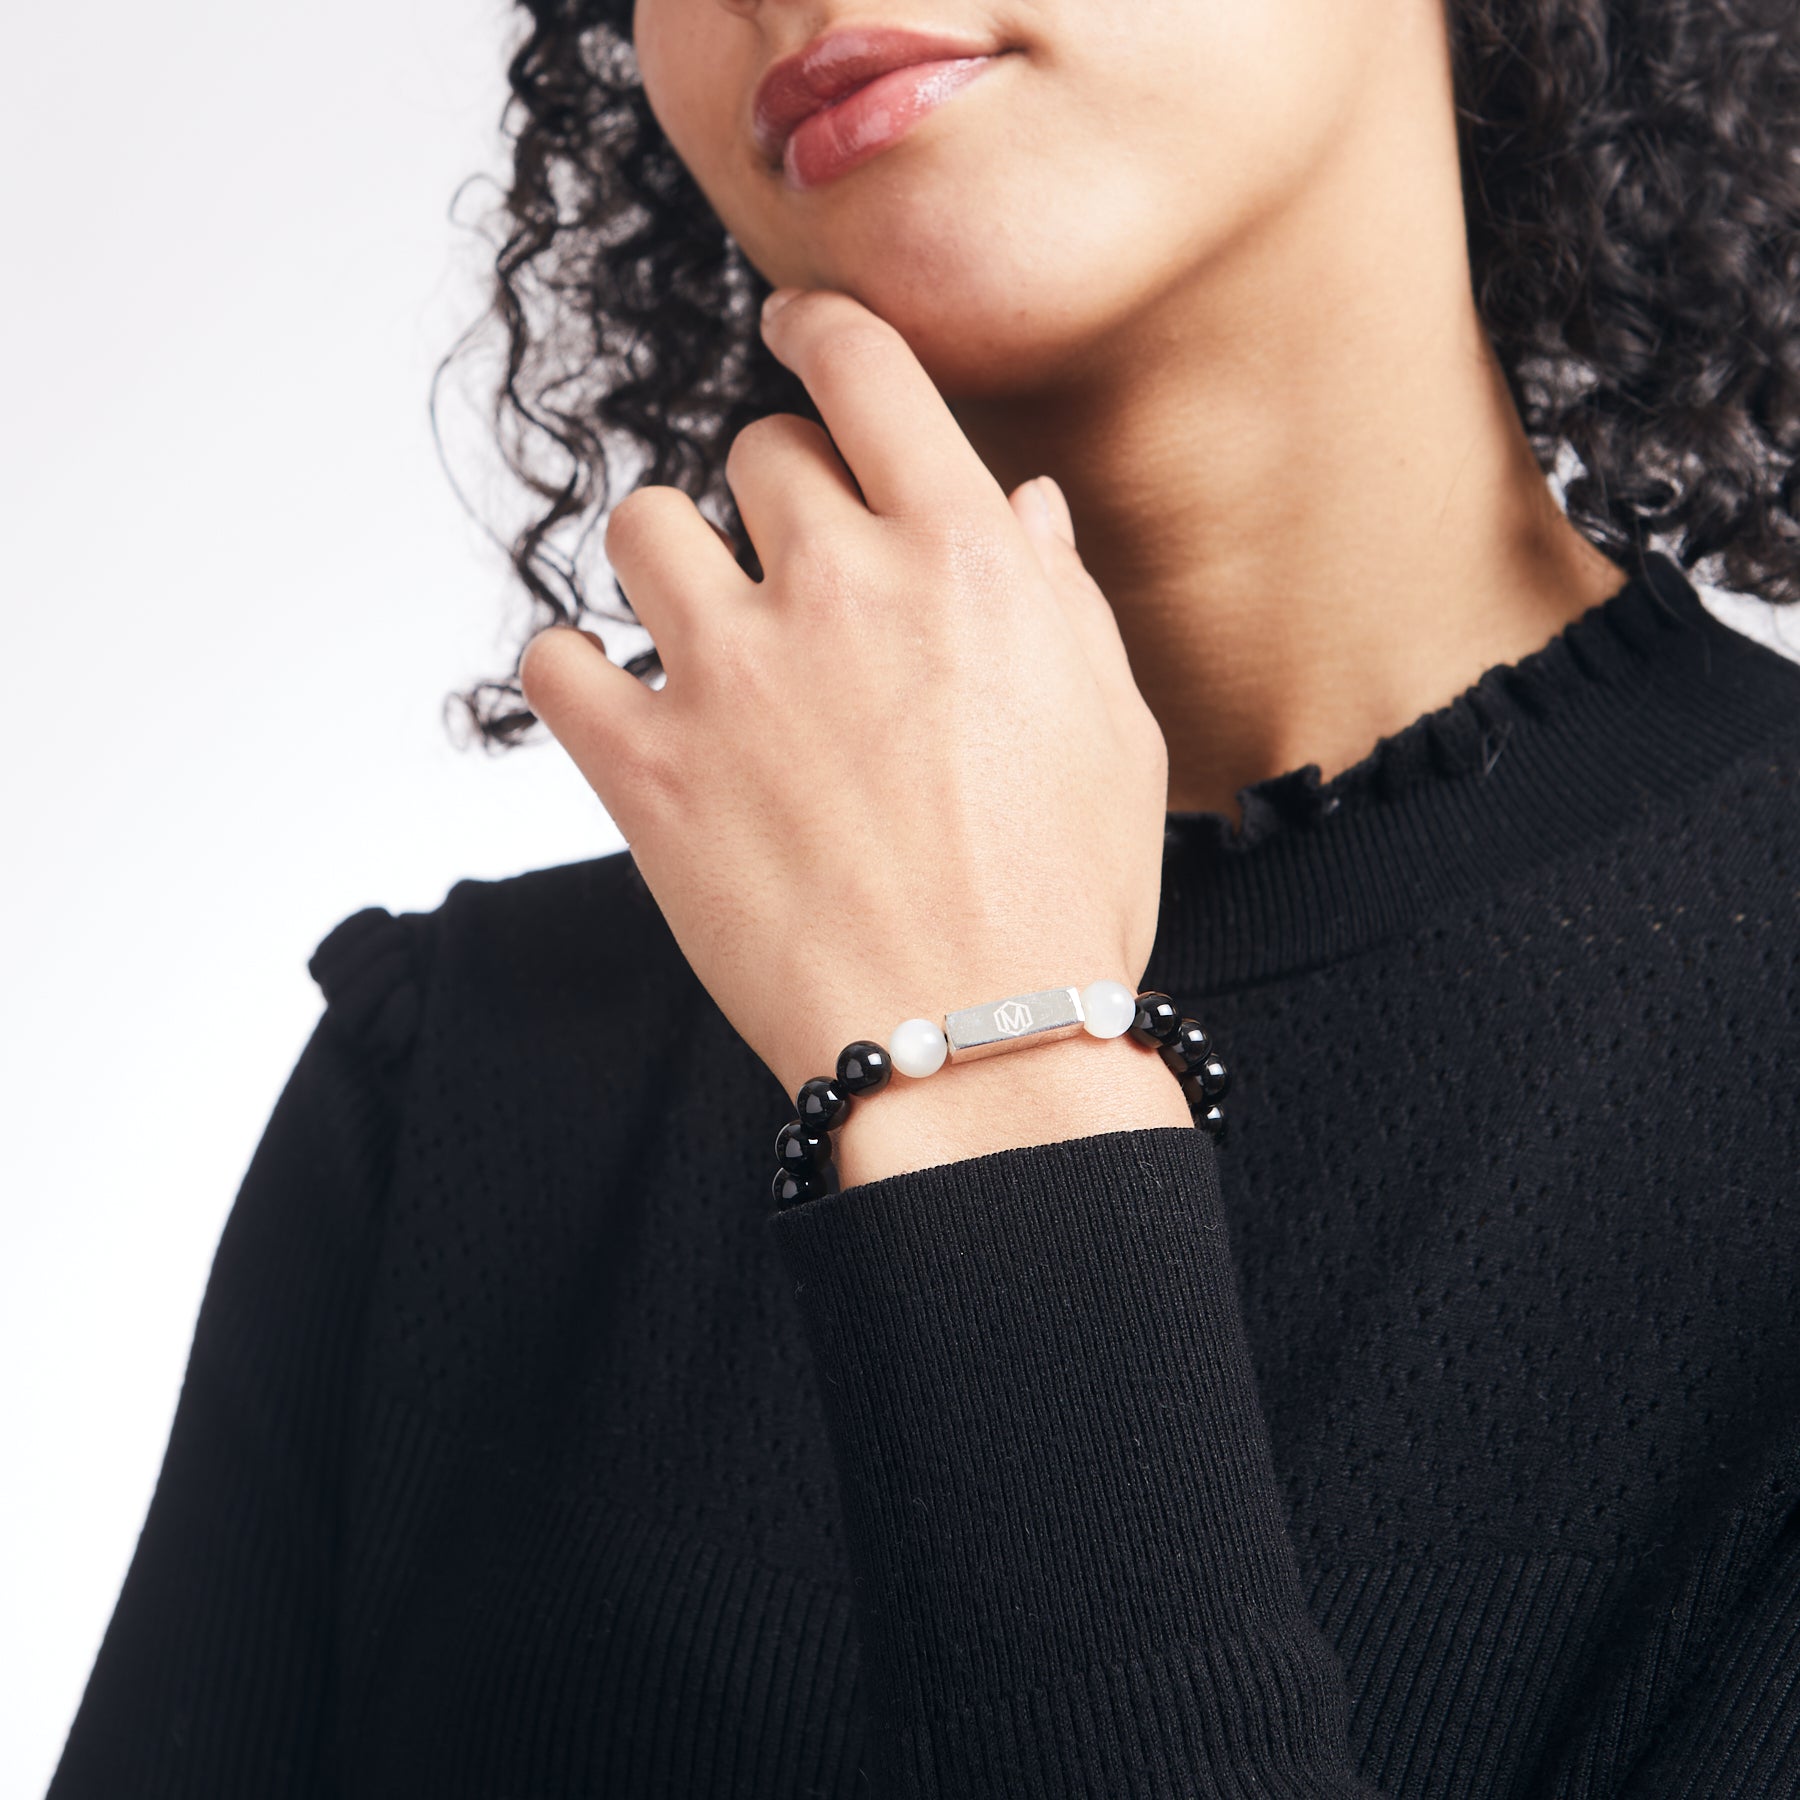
x,y
1158,1019
863,1067
1205,1084
1211,1121
821,1104
790,1187
797,1148
1188,1048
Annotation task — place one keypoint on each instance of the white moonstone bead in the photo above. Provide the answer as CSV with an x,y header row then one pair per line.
x,y
1108,1007
918,1047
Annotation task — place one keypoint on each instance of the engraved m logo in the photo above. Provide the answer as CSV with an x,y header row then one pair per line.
x,y
1012,1018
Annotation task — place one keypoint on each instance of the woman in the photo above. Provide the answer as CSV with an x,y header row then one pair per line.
x,y
1433,1430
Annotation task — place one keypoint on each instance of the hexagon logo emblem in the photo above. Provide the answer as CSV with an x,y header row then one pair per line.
x,y
1012,1018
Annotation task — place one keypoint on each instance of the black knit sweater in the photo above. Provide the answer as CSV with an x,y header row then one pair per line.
x,y
1433,1434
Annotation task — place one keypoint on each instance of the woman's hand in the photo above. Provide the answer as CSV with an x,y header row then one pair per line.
x,y
907,771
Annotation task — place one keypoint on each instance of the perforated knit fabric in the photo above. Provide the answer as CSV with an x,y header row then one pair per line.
x,y
1434,1435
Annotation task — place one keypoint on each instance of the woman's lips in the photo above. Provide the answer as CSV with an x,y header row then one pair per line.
x,y
835,139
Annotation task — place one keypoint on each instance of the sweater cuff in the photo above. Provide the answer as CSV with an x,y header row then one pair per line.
x,y
1054,1470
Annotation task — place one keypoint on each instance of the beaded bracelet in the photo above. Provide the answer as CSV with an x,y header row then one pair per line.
x,y
920,1047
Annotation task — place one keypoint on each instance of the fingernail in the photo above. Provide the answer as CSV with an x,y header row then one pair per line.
x,y
1056,507
777,300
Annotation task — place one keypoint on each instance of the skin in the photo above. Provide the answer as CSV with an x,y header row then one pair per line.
x,y
1205,266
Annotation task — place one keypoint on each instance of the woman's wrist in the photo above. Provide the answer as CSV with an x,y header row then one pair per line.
x,y
1073,1088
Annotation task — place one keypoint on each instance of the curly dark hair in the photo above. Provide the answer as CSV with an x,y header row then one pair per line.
x,y
1631,179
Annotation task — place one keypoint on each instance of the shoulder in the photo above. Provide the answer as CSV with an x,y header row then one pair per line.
x,y
513,1045
1752,798
581,939
1707,870
1727,767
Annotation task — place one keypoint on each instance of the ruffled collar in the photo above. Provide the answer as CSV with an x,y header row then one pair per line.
x,y
1613,642
1641,694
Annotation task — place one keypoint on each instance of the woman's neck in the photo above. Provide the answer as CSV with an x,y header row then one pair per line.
x,y
1299,478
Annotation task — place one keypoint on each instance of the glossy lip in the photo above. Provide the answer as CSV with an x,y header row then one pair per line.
x,y
836,63
831,142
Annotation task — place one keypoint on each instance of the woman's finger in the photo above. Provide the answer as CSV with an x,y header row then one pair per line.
x,y
889,422
788,480
672,564
608,721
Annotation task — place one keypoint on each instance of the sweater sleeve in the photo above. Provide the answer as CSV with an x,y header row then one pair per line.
x,y
1071,1572
214,1673
1735,1728
1071,1563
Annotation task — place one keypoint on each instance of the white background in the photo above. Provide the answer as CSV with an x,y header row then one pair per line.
x,y
235,586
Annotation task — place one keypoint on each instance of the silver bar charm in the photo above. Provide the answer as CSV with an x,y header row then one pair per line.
x,y
1014,1024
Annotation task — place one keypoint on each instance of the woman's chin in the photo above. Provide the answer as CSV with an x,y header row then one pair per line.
x,y
982,329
